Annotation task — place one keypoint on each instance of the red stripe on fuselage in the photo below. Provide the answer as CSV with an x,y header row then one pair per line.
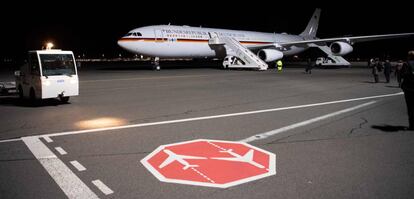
x,y
185,40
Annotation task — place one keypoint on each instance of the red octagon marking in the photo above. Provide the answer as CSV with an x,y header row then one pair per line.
x,y
212,163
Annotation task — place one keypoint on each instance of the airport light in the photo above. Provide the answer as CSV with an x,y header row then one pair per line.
x,y
49,46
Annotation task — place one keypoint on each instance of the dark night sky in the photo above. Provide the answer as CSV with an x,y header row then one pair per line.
x,y
93,29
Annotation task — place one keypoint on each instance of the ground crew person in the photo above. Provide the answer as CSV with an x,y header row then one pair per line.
x,y
308,69
374,67
399,72
408,87
387,70
279,65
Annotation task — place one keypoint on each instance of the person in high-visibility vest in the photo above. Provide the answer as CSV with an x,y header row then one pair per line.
x,y
279,65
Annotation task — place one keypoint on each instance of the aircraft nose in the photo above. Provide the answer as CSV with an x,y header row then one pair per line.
x,y
122,44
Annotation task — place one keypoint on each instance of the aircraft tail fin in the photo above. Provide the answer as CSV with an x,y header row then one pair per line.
x,y
312,27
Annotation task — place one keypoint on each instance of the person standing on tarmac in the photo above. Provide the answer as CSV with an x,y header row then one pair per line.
x,y
279,65
308,69
399,72
374,68
387,70
408,87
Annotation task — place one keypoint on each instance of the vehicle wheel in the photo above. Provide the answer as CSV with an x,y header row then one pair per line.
x,y
33,100
20,90
64,99
32,95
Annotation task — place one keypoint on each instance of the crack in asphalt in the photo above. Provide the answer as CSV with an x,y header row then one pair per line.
x,y
365,121
280,140
187,112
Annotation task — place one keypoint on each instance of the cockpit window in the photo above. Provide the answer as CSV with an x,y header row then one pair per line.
x,y
137,34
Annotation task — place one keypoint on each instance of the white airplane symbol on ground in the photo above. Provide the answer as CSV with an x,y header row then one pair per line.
x,y
247,158
179,158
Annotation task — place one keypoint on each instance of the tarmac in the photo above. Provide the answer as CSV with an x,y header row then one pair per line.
x,y
335,133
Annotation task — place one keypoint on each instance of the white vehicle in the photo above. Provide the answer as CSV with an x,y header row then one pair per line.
x,y
255,49
230,61
48,74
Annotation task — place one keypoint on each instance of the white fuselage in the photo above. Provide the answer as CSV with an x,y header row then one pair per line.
x,y
192,42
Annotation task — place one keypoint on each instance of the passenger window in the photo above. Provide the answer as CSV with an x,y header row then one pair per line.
x,y
34,64
139,34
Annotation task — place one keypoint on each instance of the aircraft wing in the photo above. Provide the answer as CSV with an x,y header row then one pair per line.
x,y
350,40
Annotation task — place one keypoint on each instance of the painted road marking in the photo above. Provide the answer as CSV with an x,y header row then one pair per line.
x,y
101,186
306,122
47,138
212,163
208,117
70,184
10,140
78,165
60,150
203,175
216,116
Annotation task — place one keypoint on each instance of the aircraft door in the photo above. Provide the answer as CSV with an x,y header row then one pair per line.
x,y
159,37
213,35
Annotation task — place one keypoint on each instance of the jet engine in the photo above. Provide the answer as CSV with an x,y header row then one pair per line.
x,y
341,48
269,55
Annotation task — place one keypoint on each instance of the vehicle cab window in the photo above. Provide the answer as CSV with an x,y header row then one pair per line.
x,y
34,64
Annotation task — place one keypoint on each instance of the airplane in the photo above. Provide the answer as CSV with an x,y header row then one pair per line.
x,y
240,49
180,158
248,157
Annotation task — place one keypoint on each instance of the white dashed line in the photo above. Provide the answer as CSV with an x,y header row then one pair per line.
x,y
48,139
202,175
70,184
217,146
101,186
77,165
61,151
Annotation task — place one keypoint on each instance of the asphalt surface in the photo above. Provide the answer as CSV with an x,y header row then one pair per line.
x,y
361,153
